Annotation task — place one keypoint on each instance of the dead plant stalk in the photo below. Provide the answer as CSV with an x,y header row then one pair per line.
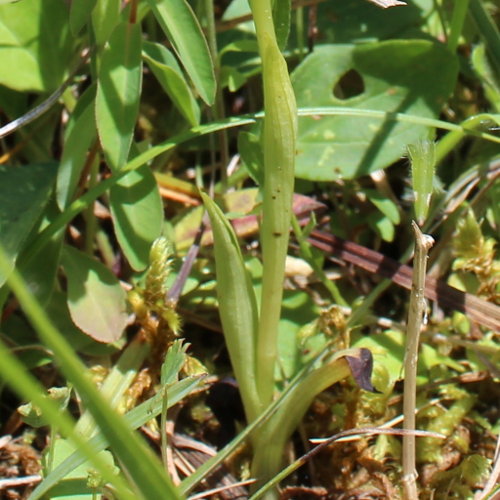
x,y
416,321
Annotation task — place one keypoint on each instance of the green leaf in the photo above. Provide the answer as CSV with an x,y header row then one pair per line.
x,y
118,92
364,21
40,272
166,69
80,133
250,149
35,46
137,213
243,45
24,192
96,301
174,360
31,413
79,14
231,78
237,305
388,76
298,310
382,225
483,68
57,310
183,30
105,17
423,160
76,481
281,18
384,204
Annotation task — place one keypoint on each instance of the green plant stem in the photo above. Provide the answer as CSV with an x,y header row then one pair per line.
x,y
279,135
270,441
163,431
293,391
414,327
52,444
448,142
457,23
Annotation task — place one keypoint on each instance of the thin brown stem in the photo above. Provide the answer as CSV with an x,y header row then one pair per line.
x,y
416,321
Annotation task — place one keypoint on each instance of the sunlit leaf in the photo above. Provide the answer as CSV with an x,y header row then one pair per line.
x,y
184,32
390,76
35,44
118,92
137,213
166,69
105,17
80,133
96,301
237,303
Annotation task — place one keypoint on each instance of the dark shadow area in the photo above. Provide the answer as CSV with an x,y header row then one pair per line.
x,y
349,85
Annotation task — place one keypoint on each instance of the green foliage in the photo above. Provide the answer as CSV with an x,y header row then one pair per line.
x,y
33,415
35,44
181,27
394,77
168,73
118,92
104,18
80,133
462,479
137,214
94,175
423,158
95,299
237,307
24,193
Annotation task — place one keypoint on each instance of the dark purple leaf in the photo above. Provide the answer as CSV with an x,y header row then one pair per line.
x,y
361,369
